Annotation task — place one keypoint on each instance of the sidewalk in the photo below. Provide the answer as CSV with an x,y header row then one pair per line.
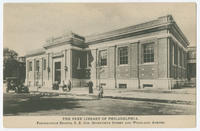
x,y
178,96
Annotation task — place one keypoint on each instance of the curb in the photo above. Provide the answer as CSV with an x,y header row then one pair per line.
x,y
119,97
143,99
153,100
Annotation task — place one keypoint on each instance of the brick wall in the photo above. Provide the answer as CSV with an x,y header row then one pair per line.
x,y
134,60
147,71
111,61
162,58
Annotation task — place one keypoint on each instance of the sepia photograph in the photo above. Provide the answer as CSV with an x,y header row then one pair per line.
x,y
106,61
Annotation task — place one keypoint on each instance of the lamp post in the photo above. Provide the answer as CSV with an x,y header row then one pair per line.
x,y
99,67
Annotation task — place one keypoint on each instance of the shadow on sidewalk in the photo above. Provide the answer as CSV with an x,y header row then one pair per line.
x,y
15,104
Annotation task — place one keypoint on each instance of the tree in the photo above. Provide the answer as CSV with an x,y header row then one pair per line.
x,y
7,53
11,66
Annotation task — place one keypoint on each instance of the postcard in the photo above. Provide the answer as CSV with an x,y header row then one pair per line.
x,y
75,65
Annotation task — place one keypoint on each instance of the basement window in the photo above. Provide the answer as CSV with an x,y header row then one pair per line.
x,y
122,85
103,84
147,85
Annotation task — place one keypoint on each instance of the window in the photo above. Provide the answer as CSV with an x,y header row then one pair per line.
x,y
122,86
79,63
173,54
147,85
44,64
103,57
148,53
183,59
89,60
30,66
123,55
37,65
179,56
103,84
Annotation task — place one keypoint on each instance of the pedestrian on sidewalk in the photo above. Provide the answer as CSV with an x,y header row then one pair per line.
x,y
100,94
69,85
64,86
90,85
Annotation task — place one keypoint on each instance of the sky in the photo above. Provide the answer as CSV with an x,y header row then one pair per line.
x,y
28,26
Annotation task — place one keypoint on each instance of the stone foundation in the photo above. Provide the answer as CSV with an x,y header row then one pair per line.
x,y
163,84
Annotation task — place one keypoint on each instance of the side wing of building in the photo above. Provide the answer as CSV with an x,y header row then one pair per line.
x,y
148,55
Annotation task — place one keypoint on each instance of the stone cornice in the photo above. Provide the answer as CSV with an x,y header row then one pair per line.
x,y
177,34
130,41
122,36
180,33
60,43
63,39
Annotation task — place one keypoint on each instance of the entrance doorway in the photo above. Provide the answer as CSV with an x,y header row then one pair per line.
x,y
191,72
57,72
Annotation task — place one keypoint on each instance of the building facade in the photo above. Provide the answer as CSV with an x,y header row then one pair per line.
x,y
150,55
191,64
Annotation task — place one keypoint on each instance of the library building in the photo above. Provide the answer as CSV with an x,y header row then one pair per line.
x,y
150,55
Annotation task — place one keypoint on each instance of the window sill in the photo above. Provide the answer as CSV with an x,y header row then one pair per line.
x,y
88,67
123,65
84,68
150,63
102,66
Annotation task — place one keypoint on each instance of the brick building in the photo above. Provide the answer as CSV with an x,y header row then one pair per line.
x,y
147,55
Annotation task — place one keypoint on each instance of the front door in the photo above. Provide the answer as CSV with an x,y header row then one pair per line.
x,y
57,72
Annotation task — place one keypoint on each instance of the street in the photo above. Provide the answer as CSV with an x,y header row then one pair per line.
x,y
70,105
